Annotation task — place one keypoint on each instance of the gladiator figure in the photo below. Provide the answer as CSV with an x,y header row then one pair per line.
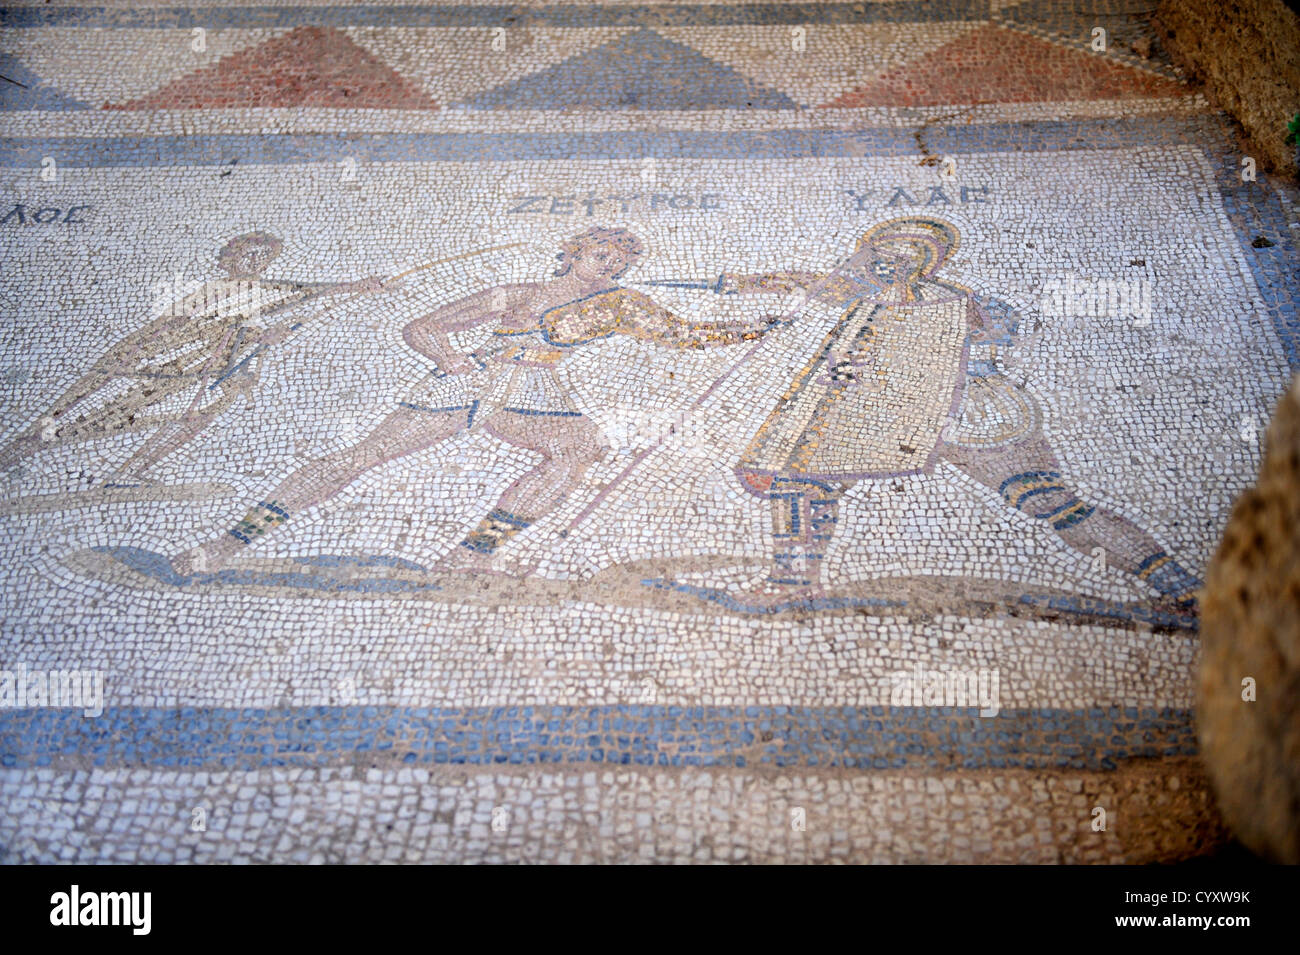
x,y
508,389
908,377
182,370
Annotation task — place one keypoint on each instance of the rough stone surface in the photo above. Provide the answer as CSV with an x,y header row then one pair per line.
x,y
1251,630
1247,53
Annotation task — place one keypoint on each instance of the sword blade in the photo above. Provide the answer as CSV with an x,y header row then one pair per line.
x,y
713,285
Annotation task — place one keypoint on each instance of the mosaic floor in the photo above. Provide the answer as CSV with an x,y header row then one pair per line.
x,y
624,432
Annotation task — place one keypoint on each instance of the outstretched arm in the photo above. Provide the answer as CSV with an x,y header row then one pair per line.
x,y
771,283
632,313
301,292
825,287
372,284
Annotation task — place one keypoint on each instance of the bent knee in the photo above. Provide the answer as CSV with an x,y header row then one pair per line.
x,y
593,451
577,459
587,445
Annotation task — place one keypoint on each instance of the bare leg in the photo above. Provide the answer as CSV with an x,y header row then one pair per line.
x,y
404,432
20,449
43,433
169,438
1028,477
58,426
568,445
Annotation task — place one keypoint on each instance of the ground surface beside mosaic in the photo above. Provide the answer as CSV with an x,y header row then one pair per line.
x,y
625,432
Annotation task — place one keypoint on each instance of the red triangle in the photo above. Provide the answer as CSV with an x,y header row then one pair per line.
x,y
308,66
996,65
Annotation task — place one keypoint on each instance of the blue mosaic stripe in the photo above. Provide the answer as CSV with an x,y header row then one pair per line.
x,y
1092,607
212,150
505,14
1256,211
857,738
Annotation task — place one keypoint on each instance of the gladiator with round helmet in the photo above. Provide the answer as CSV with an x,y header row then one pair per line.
x,y
908,377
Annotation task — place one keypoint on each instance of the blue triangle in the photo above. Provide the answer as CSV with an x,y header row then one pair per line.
x,y
642,70
22,89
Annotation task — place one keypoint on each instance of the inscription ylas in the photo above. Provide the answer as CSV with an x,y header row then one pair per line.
x,y
870,199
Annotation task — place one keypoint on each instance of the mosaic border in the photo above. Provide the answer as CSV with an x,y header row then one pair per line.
x,y
1159,811
266,149
559,15
928,738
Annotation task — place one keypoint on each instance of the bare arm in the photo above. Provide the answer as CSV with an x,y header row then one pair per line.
x,y
428,334
837,290
637,315
302,292
772,283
